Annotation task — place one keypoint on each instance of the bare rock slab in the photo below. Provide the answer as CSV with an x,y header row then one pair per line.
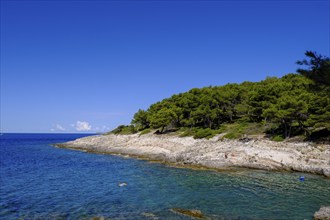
x,y
214,153
323,213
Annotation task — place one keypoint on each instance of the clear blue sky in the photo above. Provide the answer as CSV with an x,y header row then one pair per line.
x,y
87,66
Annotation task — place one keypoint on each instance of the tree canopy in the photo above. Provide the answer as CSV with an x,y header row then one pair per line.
x,y
295,104
318,67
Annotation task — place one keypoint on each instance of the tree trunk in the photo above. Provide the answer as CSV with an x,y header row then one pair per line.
x,y
289,132
285,130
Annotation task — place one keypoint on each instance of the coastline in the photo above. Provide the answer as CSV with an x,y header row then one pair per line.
x,y
213,153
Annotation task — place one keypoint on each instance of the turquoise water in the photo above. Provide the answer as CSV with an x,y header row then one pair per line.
x,y
39,181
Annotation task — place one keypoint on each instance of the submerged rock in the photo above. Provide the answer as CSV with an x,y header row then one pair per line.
x,y
122,184
149,215
191,213
323,213
98,218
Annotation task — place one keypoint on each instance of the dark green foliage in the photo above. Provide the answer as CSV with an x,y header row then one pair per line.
x,y
140,120
296,104
162,118
318,68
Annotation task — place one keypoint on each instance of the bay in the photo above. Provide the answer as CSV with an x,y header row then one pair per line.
x,y
39,181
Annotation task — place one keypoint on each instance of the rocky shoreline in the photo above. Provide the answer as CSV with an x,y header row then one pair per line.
x,y
323,213
215,153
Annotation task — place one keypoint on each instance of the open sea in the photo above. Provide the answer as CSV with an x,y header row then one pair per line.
x,y
38,181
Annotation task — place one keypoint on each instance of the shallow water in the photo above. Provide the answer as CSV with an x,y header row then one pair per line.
x,y
39,181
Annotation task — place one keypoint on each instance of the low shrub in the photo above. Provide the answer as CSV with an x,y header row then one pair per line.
x,y
187,132
232,135
204,133
145,131
124,129
277,138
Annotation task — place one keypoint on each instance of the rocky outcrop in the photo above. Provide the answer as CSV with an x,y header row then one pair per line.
x,y
213,153
323,213
195,214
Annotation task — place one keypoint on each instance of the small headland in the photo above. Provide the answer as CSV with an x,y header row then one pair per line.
x,y
214,153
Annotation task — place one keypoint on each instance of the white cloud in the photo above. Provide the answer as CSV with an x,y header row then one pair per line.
x,y
59,127
83,126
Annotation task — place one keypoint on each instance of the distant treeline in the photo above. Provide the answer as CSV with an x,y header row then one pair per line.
x,y
296,104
